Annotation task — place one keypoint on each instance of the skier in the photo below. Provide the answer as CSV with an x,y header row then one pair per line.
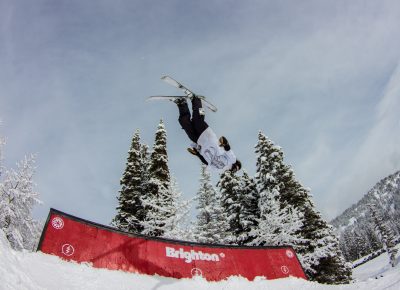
x,y
213,152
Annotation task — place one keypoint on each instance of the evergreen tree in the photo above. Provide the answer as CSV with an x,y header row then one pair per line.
x,y
17,198
276,226
231,197
317,246
278,218
346,244
211,223
322,255
353,245
145,166
385,233
373,242
158,199
359,244
250,212
269,158
130,211
176,227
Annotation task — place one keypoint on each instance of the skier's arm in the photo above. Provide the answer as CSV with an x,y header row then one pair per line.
x,y
201,158
193,150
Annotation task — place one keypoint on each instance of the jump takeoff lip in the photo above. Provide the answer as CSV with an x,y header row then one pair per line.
x,y
79,240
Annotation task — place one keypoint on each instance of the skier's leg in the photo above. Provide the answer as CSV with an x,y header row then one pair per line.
x,y
186,123
198,116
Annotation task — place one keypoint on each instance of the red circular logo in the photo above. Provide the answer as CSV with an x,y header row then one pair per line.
x,y
285,270
289,253
196,272
67,250
57,223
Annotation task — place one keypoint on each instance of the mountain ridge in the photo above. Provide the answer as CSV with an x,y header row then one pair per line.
x,y
355,227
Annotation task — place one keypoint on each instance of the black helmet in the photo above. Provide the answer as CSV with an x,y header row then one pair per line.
x,y
236,166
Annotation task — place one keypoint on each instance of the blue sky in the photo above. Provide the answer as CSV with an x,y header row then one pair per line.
x,y
320,78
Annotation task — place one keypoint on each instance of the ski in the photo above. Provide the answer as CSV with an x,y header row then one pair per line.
x,y
186,91
178,85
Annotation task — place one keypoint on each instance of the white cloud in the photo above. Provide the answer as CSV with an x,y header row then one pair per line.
x,y
377,156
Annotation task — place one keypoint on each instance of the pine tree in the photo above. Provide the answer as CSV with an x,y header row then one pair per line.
x,y
347,245
231,197
317,246
385,233
277,217
361,249
17,198
177,227
322,255
158,199
211,224
145,166
130,211
276,226
250,211
353,244
372,239
269,158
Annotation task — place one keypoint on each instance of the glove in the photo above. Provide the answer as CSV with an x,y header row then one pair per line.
x,y
223,142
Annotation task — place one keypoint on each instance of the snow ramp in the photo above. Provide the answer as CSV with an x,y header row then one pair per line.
x,y
82,241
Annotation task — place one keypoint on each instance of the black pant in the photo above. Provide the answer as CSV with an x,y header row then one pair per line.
x,y
193,125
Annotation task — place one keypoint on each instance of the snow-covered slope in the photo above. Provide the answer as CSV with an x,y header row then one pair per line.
x,y
378,268
355,227
23,270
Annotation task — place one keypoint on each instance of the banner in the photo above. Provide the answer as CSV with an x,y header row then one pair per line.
x,y
79,240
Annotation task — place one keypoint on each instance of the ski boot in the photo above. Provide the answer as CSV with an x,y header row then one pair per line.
x,y
180,101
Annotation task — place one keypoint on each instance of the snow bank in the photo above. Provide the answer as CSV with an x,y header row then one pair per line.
x,y
377,268
23,270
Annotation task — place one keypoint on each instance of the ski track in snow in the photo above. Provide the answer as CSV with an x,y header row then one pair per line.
x,y
24,270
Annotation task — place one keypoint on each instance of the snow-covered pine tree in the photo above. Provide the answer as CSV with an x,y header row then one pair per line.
x,y
347,245
353,245
158,199
231,201
269,157
177,226
130,211
318,247
145,157
385,233
211,224
276,226
17,198
250,211
359,243
278,223
321,253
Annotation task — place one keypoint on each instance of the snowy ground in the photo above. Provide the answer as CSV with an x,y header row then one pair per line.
x,y
39,271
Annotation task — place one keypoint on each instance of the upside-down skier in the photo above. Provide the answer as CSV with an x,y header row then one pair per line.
x,y
213,152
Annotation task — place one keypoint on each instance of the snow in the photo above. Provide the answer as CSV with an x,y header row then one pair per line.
x,y
24,270
377,268
352,221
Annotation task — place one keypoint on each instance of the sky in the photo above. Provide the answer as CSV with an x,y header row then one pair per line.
x,y
320,78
